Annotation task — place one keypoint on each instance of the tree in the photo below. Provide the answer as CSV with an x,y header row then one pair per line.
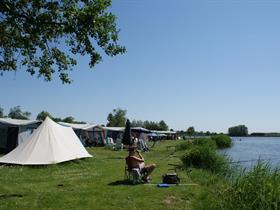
x,y
17,113
137,123
117,118
1,112
127,134
44,35
163,126
151,125
208,133
69,119
190,131
57,119
239,130
42,115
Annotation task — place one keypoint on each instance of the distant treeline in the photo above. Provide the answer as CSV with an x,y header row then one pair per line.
x,y
265,134
239,130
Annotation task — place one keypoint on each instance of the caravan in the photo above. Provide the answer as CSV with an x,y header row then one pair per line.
x,y
14,132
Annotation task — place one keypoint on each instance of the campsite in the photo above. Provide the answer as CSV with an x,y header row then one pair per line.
x,y
94,183
139,104
50,168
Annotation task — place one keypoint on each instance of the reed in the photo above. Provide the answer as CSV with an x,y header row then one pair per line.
x,y
222,141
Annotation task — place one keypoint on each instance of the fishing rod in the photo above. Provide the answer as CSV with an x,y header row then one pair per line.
x,y
252,160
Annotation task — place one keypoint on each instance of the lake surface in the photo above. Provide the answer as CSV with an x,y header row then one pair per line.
x,y
248,150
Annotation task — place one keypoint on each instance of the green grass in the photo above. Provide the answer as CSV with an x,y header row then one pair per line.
x,y
257,189
98,183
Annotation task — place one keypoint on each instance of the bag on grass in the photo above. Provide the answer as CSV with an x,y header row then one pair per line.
x,y
170,178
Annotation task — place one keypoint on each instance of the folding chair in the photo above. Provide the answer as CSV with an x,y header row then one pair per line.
x,y
134,175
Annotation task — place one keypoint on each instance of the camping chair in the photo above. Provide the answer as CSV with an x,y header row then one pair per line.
x,y
118,145
134,175
142,145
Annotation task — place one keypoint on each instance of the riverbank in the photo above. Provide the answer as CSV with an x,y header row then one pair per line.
x,y
256,188
98,183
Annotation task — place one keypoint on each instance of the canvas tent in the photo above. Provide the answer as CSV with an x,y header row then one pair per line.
x,y
13,132
50,143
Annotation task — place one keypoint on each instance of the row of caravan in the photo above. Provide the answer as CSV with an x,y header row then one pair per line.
x,y
14,132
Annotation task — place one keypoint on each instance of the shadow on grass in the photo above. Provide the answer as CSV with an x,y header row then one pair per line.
x,y
115,158
61,164
120,182
5,196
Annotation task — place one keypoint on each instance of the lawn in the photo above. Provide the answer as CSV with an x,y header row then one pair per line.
x,y
98,183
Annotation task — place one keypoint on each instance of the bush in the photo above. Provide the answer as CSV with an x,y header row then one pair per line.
x,y
222,141
256,189
205,142
205,157
183,146
199,141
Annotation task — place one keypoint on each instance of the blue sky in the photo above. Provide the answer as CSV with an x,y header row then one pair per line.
x,y
207,64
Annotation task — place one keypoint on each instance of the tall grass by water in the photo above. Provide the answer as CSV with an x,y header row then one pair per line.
x,y
222,141
258,188
201,153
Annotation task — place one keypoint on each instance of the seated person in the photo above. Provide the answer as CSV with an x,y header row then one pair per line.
x,y
136,160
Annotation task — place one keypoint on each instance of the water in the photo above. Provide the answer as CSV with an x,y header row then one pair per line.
x,y
248,150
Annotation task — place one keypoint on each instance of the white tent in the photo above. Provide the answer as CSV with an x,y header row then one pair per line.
x,y
50,143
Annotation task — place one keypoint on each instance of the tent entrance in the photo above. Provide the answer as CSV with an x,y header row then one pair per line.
x,y
12,138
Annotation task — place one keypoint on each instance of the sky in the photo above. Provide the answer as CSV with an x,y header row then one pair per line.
x,y
211,64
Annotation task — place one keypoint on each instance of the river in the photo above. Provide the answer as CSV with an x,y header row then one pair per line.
x,y
248,150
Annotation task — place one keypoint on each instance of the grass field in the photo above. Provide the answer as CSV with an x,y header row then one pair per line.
x,y
98,183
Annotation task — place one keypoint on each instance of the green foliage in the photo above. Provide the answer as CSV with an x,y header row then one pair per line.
x,y
204,142
137,123
44,35
17,113
240,130
69,119
117,118
150,125
256,189
190,131
183,146
163,126
201,153
42,115
222,141
204,157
